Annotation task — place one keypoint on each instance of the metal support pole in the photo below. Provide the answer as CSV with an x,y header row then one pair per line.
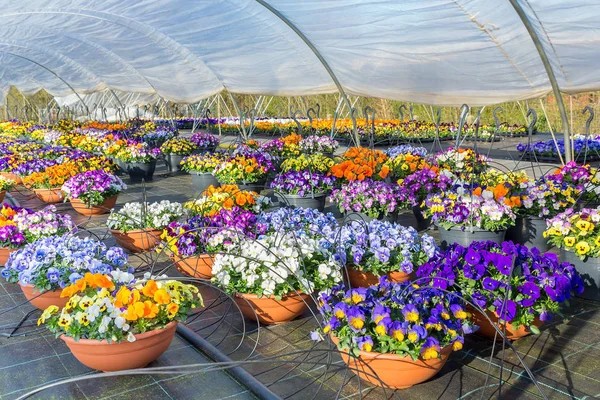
x,y
555,88
319,56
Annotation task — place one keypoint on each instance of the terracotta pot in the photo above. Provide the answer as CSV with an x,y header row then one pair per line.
x,y
393,371
44,300
487,329
137,241
100,209
2,195
271,311
359,278
107,357
12,177
54,195
5,253
196,267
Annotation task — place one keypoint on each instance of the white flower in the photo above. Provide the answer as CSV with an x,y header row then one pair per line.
x,y
130,337
121,323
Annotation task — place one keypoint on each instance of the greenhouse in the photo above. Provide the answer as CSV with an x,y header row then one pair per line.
x,y
281,199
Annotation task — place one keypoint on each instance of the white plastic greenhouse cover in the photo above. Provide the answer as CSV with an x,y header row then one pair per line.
x,y
426,51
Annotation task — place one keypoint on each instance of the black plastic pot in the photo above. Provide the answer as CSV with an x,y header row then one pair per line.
x,y
529,231
316,201
589,271
466,237
252,187
203,150
173,162
422,222
139,171
202,180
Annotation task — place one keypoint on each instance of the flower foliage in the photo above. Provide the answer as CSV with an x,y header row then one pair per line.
x,y
93,187
516,283
203,163
19,226
178,145
318,144
241,169
383,247
462,208
395,318
137,215
226,197
302,183
576,231
360,163
375,199
200,235
277,264
116,306
204,140
54,262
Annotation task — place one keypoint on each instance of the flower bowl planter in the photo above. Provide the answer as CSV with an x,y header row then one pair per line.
x,y
528,231
196,267
203,150
202,180
173,162
4,254
44,300
139,171
252,187
393,371
466,237
51,196
99,209
359,278
137,241
487,329
13,177
271,311
107,357
315,201
589,271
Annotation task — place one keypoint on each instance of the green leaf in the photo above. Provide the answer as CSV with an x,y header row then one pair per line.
x,y
534,329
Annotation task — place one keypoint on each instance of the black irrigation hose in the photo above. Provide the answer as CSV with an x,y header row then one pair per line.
x,y
237,372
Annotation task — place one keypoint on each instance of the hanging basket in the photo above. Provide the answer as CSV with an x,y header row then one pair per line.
x,y
138,240
271,311
107,357
51,196
391,370
360,278
99,209
45,299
